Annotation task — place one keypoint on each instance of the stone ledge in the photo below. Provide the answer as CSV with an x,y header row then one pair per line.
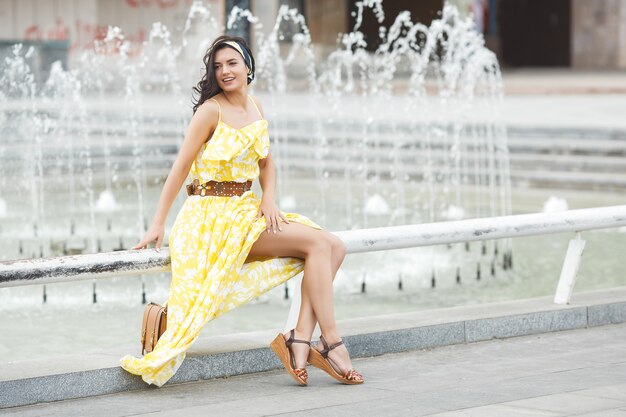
x,y
27,382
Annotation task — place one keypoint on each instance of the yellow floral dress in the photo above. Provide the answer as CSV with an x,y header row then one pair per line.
x,y
209,243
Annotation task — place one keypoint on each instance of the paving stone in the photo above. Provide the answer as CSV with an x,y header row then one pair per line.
x,y
599,315
614,392
569,404
497,410
525,324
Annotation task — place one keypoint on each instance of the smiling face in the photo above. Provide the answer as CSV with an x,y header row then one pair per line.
x,y
230,70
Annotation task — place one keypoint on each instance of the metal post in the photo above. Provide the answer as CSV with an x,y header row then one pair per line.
x,y
294,311
569,270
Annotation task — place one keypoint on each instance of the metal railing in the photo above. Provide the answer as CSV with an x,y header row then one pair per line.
x,y
90,266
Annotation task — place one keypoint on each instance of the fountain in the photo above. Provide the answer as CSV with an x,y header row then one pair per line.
x,y
361,139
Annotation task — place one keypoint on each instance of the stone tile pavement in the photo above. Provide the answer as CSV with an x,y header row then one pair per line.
x,y
569,373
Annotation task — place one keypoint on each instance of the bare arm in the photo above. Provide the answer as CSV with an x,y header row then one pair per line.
x,y
267,208
267,179
200,127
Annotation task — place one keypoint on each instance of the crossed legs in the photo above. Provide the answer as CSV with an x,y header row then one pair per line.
x,y
323,254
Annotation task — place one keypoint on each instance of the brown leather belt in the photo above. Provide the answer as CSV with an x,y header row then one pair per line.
x,y
218,188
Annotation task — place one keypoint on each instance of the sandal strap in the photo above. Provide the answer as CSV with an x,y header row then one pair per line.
x,y
339,343
327,348
353,375
301,373
292,340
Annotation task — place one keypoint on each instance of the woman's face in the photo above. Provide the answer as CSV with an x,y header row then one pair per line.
x,y
230,70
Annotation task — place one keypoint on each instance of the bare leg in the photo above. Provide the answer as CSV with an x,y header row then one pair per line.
x,y
307,319
314,246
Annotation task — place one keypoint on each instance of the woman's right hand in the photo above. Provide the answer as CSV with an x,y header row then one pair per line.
x,y
155,232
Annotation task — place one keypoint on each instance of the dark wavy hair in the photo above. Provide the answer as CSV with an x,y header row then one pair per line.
x,y
207,87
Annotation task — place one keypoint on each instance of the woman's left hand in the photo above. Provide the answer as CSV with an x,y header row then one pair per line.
x,y
272,215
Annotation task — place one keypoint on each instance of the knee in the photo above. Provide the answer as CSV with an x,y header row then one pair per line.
x,y
319,246
337,247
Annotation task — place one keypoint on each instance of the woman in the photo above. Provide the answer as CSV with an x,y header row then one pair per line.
x,y
220,256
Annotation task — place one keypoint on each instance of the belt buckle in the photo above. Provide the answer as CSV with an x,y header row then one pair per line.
x,y
192,186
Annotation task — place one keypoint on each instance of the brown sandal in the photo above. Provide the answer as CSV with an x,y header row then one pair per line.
x,y
282,349
320,360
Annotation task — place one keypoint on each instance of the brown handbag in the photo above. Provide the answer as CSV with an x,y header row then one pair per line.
x,y
152,326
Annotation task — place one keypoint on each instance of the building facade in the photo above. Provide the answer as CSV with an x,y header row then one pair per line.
x,y
561,33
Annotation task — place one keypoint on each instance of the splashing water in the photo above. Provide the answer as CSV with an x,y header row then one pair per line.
x,y
361,138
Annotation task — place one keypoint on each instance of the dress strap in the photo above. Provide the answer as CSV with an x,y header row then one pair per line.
x,y
256,107
219,110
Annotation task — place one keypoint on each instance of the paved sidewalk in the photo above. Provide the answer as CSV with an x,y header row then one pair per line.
x,y
575,372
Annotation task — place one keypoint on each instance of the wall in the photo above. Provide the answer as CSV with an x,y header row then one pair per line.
x,y
326,20
621,63
266,11
599,34
49,20
83,21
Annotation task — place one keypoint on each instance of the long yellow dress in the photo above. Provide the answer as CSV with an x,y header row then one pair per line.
x,y
209,243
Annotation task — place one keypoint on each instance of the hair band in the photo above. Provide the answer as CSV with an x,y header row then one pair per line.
x,y
244,54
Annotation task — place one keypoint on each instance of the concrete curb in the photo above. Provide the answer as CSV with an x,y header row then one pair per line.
x,y
548,318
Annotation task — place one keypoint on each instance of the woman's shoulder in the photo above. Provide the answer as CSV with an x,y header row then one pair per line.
x,y
209,110
210,104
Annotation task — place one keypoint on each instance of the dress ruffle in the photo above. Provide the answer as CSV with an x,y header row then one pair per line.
x,y
224,147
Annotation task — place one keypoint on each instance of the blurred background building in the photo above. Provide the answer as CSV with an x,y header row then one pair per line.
x,y
557,33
